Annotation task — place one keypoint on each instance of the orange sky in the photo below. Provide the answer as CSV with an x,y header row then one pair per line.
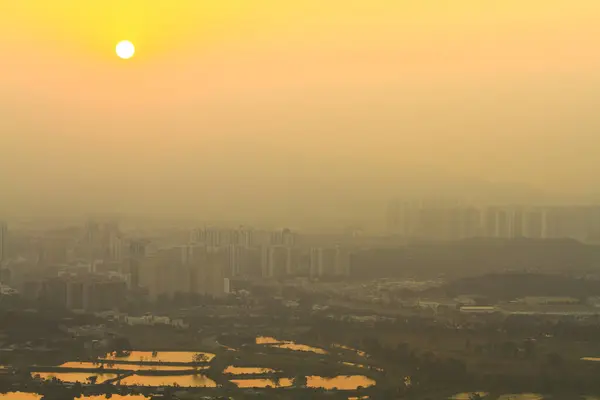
x,y
500,90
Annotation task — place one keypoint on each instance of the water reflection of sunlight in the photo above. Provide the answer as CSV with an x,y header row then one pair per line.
x,y
349,364
300,347
247,370
262,383
169,380
268,340
288,344
20,396
358,352
160,356
73,377
128,367
522,396
467,395
340,382
116,397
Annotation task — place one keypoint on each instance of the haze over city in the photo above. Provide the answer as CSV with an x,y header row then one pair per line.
x,y
271,110
299,199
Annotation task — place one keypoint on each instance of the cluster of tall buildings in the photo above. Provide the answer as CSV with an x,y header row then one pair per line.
x,y
185,269
89,292
76,267
89,265
454,221
103,240
271,254
214,257
330,261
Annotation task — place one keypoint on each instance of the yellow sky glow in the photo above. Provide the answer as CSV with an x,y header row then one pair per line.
x,y
487,81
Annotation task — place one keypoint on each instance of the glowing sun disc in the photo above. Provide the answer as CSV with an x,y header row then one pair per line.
x,y
125,49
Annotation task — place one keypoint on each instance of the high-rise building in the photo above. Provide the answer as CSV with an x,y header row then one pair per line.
x,y
490,222
404,218
207,236
278,255
156,275
240,260
437,219
448,220
52,250
137,253
192,269
138,248
194,235
54,292
115,247
329,261
503,222
242,237
533,223
284,237
207,271
90,293
216,237
541,222
214,272
277,261
469,222
516,222
98,239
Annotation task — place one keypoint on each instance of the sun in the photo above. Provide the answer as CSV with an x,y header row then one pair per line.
x,y
125,49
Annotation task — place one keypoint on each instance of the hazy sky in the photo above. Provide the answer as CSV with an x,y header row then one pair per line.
x,y
266,107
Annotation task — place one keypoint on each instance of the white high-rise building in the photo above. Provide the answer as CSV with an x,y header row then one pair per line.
x,y
217,237
330,261
242,236
403,218
238,260
433,219
277,261
533,223
115,247
505,222
284,237
194,269
208,236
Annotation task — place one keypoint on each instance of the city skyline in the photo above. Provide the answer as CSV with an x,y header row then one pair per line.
x,y
289,199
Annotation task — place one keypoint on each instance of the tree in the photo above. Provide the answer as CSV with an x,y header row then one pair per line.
x,y
276,381
199,358
300,381
121,346
78,388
